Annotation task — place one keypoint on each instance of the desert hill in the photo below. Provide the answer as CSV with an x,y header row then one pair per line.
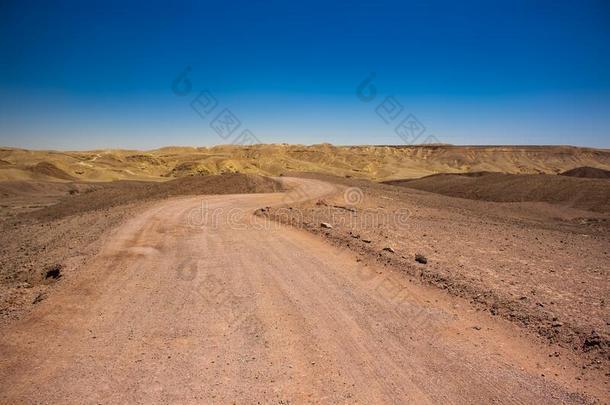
x,y
96,196
588,172
370,162
584,193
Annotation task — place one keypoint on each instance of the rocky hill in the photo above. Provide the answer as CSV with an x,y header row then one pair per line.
x,y
371,162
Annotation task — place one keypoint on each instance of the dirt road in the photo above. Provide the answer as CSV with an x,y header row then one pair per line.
x,y
181,307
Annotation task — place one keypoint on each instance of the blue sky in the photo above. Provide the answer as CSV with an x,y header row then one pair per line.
x,y
83,75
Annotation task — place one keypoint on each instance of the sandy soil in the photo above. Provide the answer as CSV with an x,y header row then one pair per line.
x,y
47,225
180,307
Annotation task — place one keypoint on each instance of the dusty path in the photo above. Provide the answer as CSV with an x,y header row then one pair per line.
x,y
175,310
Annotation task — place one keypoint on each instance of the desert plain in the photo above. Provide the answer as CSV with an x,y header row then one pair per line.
x,y
305,274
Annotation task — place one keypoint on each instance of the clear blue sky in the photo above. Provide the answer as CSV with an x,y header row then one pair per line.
x,y
86,74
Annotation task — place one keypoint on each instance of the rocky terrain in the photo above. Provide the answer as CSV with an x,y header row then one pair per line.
x,y
543,266
238,308
519,235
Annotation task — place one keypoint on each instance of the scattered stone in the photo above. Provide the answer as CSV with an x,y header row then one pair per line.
x,y
421,259
388,249
557,324
53,271
342,207
476,327
326,225
366,240
593,340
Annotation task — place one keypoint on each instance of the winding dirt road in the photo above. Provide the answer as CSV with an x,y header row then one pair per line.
x,y
181,307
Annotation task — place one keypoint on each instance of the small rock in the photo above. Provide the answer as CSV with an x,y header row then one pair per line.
x,y
592,340
39,298
366,240
326,225
53,271
421,259
388,249
476,327
350,209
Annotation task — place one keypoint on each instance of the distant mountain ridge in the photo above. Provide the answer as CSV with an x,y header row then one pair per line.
x,y
371,162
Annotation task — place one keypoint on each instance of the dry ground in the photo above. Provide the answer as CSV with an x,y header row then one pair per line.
x,y
542,266
238,309
142,311
49,224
